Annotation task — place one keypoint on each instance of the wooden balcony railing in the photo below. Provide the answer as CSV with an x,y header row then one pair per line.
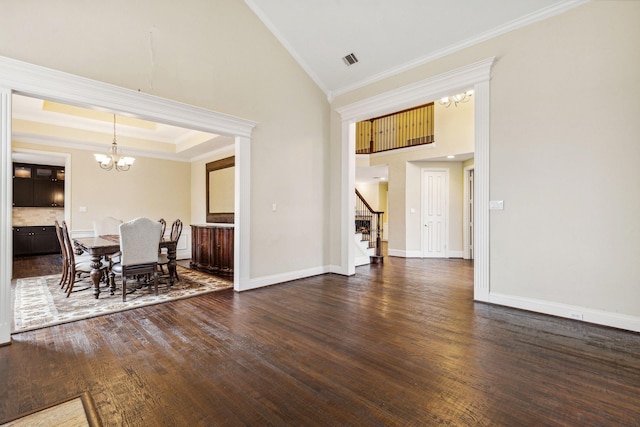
x,y
399,130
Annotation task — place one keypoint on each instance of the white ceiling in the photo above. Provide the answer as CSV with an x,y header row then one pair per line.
x,y
388,36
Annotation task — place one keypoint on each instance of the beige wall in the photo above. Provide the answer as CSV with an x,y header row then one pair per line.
x,y
371,193
213,54
563,154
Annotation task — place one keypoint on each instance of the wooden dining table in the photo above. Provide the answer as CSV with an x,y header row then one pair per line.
x,y
100,246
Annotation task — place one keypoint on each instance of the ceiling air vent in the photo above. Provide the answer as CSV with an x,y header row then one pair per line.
x,y
350,59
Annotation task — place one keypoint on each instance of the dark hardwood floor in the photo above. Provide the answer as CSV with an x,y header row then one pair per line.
x,y
398,344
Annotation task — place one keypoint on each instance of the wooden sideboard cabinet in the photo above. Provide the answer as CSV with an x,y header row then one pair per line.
x,y
212,249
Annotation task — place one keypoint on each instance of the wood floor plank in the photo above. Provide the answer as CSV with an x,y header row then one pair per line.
x,y
398,344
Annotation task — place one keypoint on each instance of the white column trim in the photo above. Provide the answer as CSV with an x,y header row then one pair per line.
x,y
466,253
242,218
481,287
6,239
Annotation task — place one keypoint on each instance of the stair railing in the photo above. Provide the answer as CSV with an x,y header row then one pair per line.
x,y
369,223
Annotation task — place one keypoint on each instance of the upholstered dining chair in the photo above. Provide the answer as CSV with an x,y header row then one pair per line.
x,y
163,257
107,225
139,241
75,267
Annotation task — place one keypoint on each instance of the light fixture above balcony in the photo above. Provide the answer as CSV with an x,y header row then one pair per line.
x,y
456,99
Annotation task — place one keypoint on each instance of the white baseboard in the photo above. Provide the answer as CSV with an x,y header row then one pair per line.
x,y
418,254
589,315
404,254
362,260
260,282
338,269
78,234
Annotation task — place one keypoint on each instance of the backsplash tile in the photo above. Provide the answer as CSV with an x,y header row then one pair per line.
x,y
37,216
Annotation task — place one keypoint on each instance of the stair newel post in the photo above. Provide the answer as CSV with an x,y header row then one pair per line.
x,y
378,258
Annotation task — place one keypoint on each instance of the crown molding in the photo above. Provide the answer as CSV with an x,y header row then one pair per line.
x,y
92,146
45,83
420,92
521,22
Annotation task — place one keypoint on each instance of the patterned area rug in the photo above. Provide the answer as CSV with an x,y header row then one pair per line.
x,y
38,302
75,412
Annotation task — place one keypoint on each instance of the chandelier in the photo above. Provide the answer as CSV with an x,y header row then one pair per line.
x,y
114,159
456,99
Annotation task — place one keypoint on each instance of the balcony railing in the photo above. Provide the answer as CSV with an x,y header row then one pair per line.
x,y
399,130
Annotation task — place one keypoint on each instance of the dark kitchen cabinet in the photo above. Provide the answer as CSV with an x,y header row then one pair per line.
x,y
38,185
22,192
35,240
212,249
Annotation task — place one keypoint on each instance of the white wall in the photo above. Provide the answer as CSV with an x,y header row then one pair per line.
x,y
563,154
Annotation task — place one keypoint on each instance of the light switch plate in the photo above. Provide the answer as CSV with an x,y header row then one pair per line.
x,y
496,205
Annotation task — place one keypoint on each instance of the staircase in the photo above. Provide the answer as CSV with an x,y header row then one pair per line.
x,y
363,251
368,232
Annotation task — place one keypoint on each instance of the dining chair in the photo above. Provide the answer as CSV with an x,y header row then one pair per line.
x,y
107,225
163,257
76,267
164,226
139,241
63,252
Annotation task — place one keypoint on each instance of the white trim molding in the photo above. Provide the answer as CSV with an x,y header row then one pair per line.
x,y
40,82
53,85
539,15
589,315
481,192
6,232
476,76
260,282
404,254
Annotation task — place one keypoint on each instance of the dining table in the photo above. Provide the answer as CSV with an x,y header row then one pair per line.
x,y
103,246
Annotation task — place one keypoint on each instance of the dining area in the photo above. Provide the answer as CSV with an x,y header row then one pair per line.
x,y
137,252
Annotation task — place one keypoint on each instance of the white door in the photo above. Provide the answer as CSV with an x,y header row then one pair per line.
x,y
435,197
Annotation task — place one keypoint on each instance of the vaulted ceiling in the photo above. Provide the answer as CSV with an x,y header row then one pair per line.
x,y
389,36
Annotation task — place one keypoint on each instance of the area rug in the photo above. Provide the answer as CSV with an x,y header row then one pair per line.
x,y
39,302
78,411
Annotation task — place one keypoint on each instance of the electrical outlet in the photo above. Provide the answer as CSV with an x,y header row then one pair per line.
x,y
575,316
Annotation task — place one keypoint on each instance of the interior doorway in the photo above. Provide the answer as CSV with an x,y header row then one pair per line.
x,y
476,75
